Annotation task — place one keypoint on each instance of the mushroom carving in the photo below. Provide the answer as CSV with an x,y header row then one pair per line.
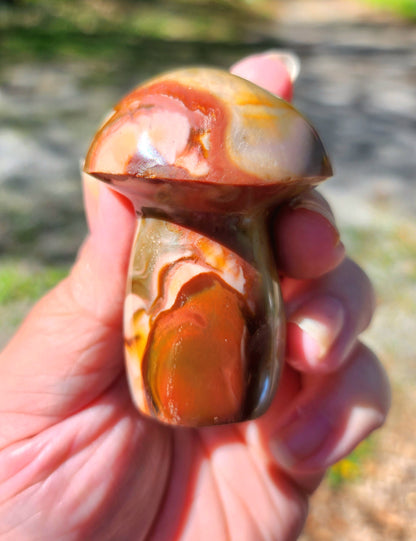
x,y
204,156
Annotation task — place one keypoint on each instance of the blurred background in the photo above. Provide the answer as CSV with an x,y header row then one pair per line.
x,y
64,63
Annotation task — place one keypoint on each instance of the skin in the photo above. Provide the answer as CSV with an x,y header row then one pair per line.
x,y
78,462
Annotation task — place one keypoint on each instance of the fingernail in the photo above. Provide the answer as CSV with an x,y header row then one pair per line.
x,y
314,204
274,71
288,58
320,322
301,440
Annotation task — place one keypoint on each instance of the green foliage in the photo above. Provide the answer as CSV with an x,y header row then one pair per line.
x,y
51,28
387,248
19,282
406,8
352,467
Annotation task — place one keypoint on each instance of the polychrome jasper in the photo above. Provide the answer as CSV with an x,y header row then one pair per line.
x,y
204,156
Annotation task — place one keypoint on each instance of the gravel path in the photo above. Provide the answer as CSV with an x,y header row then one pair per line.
x,y
357,86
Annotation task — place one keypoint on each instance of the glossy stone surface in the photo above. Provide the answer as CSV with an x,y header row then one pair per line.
x,y
207,129
200,326
204,156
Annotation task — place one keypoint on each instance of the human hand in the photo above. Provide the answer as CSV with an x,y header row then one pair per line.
x,y
77,461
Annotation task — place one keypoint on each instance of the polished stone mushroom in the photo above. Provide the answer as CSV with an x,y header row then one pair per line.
x,y
205,157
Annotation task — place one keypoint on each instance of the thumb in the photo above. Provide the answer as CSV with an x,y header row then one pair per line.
x,y
69,348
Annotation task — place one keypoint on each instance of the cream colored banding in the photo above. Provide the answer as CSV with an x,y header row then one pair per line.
x,y
136,332
181,271
275,142
310,202
136,384
266,137
132,303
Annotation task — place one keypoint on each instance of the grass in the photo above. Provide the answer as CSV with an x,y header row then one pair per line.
x,y
405,8
387,250
351,468
19,282
50,29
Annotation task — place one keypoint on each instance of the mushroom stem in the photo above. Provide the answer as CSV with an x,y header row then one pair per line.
x,y
204,332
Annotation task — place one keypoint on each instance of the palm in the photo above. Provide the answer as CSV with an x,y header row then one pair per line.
x,y
106,473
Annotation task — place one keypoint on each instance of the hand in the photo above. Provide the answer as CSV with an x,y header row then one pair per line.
x,y
78,462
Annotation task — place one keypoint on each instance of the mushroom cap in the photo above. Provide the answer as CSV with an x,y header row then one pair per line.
x,y
203,138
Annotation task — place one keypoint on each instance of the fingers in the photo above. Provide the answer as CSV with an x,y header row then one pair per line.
x,y
306,239
314,420
333,391
274,71
99,276
331,415
325,316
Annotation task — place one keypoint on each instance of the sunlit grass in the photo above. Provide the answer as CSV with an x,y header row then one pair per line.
x,y
19,282
351,468
406,8
51,28
385,246
387,250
